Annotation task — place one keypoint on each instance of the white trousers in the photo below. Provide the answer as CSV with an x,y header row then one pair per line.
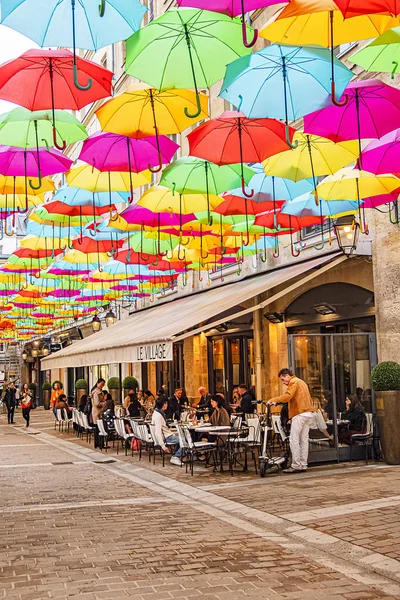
x,y
299,439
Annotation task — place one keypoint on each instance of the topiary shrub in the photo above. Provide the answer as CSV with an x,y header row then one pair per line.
x,y
130,383
59,383
385,377
81,384
32,387
46,386
114,383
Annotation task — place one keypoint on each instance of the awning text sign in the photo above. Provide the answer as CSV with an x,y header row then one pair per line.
x,y
155,352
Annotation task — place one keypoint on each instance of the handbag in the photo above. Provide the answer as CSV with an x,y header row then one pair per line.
x,y
135,444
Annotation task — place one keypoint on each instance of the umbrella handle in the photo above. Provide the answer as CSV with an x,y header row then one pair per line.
x,y
396,64
5,230
78,85
25,210
294,253
90,232
39,185
275,252
198,111
102,8
321,245
181,258
244,36
56,144
158,167
395,210
244,190
333,94
289,143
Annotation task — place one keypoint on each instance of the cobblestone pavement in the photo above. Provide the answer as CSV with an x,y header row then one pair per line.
x,y
78,523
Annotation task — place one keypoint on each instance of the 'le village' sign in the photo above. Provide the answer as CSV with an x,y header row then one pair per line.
x,y
153,352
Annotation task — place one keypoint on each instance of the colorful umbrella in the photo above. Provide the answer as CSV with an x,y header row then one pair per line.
x,y
319,22
372,110
162,199
184,48
353,8
283,82
114,152
75,23
380,55
36,163
233,138
43,79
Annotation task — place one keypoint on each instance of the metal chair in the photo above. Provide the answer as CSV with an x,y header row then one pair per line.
x,y
103,435
193,449
122,435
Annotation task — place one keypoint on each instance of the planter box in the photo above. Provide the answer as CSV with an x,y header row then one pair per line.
x,y
388,418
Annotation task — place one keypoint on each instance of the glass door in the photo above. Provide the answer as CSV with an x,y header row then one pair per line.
x,y
334,366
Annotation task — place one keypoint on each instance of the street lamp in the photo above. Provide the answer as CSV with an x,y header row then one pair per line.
x,y
45,350
35,352
36,343
110,318
96,324
347,230
24,355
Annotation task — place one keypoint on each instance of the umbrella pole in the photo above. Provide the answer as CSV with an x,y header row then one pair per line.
x,y
395,210
158,168
246,195
312,170
209,220
159,236
130,198
244,30
297,252
276,224
188,42
53,112
31,184
26,187
333,90
359,130
263,258
75,67
285,100
361,213
318,246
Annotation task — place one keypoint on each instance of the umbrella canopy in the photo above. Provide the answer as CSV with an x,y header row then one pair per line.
x,y
75,196
380,55
372,110
14,184
185,48
57,22
190,175
304,206
284,82
43,79
29,129
274,188
38,162
233,138
89,178
136,216
353,8
162,199
314,156
143,111
382,156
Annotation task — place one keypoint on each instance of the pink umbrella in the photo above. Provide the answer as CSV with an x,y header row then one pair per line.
x,y
232,8
382,156
113,152
372,110
138,215
39,162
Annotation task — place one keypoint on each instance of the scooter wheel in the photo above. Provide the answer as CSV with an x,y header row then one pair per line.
x,y
263,469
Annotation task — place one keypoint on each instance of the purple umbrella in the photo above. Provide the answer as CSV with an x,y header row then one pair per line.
x,y
382,156
39,162
372,110
232,8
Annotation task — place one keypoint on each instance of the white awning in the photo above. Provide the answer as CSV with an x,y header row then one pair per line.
x,y
148,335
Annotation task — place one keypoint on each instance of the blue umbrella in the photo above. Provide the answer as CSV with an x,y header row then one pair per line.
x,y
74,23
77,196
283,82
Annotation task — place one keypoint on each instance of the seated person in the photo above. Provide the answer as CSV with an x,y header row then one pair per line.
x,y
357,420
134,407
174,405
63,403
108,415
162,433
148,401
247,407
327,404
224,404
220,414
319,420
82,403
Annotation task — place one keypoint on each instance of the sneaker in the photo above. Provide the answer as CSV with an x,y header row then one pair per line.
x,y
290,471
175,460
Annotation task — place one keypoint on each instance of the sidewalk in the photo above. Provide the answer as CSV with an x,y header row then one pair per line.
x,y
75,525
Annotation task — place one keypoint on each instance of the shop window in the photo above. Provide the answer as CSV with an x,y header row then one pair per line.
x,y
218,365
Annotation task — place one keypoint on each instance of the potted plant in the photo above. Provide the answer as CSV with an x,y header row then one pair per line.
x,y
385,380
114,387
46,389
81,388
128,384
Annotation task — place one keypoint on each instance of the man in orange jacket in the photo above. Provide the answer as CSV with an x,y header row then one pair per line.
x,y
301,412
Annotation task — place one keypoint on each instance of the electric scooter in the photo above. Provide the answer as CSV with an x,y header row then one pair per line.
x,y
266,460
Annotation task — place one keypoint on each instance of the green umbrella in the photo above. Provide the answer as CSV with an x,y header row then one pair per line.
x,y
29,129
185,48
381,55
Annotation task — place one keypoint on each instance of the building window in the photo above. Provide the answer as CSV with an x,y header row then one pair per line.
x,y
151,10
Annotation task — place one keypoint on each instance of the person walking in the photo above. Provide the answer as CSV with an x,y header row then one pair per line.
x,y
26,404
301,415
57,391
11,402
97,400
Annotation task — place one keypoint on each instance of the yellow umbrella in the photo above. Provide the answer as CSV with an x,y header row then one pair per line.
x,y
162,199
355,185
314,156
143,111
319,22
13,202
89,178
11,185
77,257
34,242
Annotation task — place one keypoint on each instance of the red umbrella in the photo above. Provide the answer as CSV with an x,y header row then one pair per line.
x,y
236,205
355,8
42,79
233,138
89,245
28,253
274,218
